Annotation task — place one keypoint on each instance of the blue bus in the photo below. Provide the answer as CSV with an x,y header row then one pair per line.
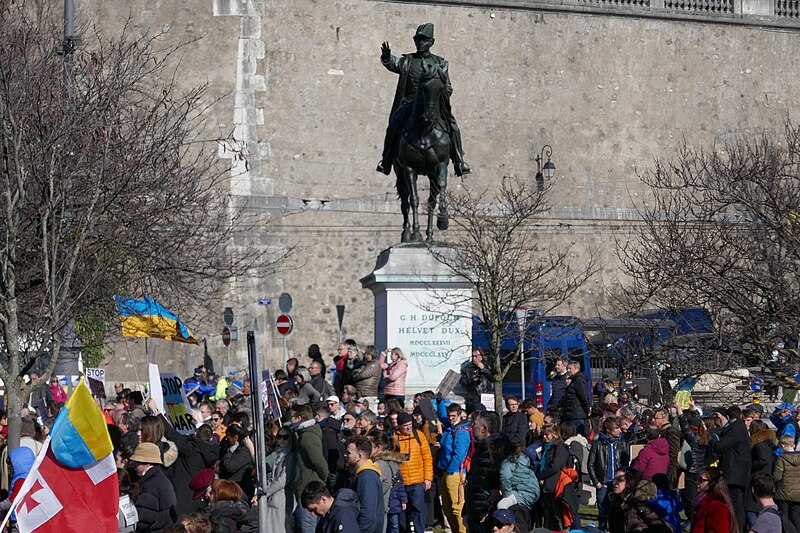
x,y
545,339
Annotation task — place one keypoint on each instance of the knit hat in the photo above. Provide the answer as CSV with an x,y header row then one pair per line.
x,y
147,452
404,418
200,482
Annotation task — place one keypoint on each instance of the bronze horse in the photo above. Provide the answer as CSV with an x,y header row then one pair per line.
x,y
424,148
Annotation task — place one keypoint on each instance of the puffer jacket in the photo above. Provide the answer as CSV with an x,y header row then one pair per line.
x,y
156,502
233,516
517,478
575,402
698,450
395,378
367,377
599,455
418,466
653,459
787,477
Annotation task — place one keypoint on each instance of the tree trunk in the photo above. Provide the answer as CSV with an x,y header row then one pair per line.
x,y
498,396
14,402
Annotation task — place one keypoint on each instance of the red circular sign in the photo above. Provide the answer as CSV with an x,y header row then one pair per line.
x,y
284,324
226,336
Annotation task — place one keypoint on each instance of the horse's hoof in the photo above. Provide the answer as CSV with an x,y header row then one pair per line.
x,y
429,239
406,236
416,237
442,222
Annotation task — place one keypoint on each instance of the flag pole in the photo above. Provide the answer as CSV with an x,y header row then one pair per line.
x,y
28,481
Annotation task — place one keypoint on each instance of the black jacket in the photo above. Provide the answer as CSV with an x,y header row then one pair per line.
x,y
477,493
575,403
343,514
557,388
156,502
733,449
599,455
237,465
550,471
229,516
333,450
762,456
193,456
475,381
515,427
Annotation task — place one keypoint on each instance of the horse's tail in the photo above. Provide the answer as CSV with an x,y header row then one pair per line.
x,y
401,184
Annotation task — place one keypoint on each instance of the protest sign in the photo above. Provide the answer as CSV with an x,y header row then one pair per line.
x,y
176,406
96,378
488,401
449,381
269,395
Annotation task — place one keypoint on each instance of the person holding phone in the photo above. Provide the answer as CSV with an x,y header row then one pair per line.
x,y
394,374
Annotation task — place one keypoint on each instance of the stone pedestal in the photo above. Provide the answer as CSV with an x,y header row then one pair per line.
x,y
423,308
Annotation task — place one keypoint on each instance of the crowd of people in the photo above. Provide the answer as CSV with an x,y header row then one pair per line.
x,y
354,453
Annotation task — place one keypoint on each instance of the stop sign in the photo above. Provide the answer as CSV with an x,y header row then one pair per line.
x,y
226,336
284,324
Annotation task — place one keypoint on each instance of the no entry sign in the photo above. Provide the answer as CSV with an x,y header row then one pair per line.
x,y
284,324
226,336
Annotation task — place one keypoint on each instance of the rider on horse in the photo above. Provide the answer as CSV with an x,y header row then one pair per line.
x,y
409,67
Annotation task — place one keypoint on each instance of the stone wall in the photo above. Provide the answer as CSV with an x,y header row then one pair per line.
x,y
308,98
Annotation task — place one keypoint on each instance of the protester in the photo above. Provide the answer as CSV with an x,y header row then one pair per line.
x,y
338,514
417,469
310,465
629,509
486,428
455,445
575,402
395,499
367,485
238,462
732,447
515,423
607,454
769,517
654,457
394,376
156,501
787,480
476,379
280,500
228,511
714,511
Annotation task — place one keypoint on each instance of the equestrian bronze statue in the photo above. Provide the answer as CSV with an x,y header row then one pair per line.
x,y
422,136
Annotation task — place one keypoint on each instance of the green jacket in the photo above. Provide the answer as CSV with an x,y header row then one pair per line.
x,y
310,464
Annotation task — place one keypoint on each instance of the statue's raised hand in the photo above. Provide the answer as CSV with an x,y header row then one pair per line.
x,y
386,52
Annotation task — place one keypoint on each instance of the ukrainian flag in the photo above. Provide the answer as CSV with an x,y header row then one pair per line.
x,y
80,436
148,318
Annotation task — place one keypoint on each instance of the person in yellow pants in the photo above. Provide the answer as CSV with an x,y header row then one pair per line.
x,y
456,444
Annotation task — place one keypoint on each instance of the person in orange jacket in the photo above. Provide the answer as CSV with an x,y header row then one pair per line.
x,y
417,469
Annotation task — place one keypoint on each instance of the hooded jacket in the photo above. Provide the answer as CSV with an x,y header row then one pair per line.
x,y
370,495
343,514
575,403
733,450
394,490
156,501
653,459
517,478
418,466
310,464
787,477
455,445
22,460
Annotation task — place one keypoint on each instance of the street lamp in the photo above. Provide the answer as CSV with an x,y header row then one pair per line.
x,y
549,168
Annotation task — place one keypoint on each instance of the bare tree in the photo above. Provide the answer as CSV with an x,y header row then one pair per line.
x,y
109,184
495,244
722,233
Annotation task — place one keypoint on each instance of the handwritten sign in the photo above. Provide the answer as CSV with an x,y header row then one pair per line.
x,y
176,406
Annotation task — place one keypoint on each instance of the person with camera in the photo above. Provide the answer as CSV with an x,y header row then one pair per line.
x,y
476,379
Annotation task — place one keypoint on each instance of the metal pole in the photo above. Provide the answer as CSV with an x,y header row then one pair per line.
x,y
522,368
254,362
228,360
284,351
68,46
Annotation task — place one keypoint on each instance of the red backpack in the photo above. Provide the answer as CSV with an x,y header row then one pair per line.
x,y
467,462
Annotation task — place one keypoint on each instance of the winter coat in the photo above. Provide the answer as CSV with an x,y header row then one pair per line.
x,y
579,447
733,449
554,458
476,493
787,477
156,501
395,378
668,506
367,377
653,459
599,455
711,516
673,436
575,403
515,427
394,491
310,462
193,456
237,465
762,455
309,395
557,388
370,496
517,478
418,466
785,426
332,448
698,449
228,516
343,514
280,500
638,516
455,445
472,388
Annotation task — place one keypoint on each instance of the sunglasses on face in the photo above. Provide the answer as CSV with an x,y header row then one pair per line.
x,y
619,479
215,419
283,437
348,419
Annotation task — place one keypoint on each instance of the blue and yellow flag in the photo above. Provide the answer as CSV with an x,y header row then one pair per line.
x,y
148,318
80,435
